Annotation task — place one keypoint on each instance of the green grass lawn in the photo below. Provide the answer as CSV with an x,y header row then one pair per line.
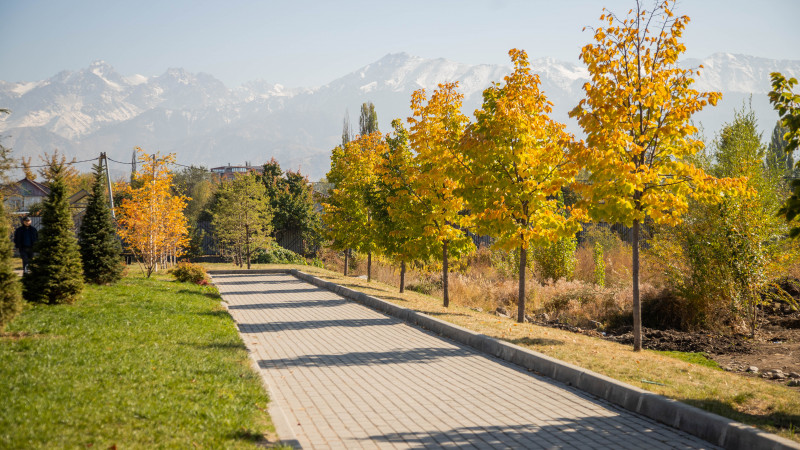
x,y
141,364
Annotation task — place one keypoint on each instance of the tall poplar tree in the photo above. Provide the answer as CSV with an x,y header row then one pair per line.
x,y
637,119
56,272
368,121
101,250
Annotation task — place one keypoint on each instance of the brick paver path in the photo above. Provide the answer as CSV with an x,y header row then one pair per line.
x,y
346,376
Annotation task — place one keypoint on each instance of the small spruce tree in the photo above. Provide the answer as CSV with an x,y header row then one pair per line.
x,y
100,248
56,273
10,289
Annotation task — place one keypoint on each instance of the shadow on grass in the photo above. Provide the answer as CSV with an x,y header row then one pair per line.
x,y
535,341
211,295
216,313
778,420
446,313
248,435
217,345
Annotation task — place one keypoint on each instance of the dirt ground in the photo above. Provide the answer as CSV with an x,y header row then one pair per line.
x,y
776,345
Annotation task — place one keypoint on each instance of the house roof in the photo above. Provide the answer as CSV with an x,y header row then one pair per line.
x,y
78,196
29,188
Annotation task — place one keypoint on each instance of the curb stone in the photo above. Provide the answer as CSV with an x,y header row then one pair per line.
x,y
708,426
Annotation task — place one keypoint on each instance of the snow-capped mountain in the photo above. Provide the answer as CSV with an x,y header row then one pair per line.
x,y
97,109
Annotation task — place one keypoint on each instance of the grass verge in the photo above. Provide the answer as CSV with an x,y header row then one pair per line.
x,y
140,364
690,378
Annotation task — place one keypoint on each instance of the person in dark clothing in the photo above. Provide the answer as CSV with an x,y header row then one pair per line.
x,y
24,238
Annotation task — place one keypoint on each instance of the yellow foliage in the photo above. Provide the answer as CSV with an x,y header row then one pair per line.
x,y
636,116
518,159
151,220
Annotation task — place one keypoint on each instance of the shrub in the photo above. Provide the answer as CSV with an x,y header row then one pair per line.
x,y
603,235
189,273
581,304
599,265
556,260
275,254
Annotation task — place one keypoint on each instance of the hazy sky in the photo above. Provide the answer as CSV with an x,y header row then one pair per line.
x,y
309,43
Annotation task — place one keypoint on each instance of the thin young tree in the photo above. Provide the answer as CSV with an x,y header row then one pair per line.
x,y
348,211
401,234
242,216
56,272
436,128
637,119
517,160
101,249
151,217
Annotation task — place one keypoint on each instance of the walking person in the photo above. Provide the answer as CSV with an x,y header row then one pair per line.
x,y
25,237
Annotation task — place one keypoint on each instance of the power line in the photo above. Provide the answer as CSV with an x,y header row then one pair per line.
x,y
145,160
48,165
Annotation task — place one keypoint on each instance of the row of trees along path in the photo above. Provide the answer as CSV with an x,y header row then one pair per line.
x,y
411,194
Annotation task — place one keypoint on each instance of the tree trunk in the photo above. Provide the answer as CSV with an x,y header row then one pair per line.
x,y
402,276
369,267
346,260
637,307
523,260
247,244
445,289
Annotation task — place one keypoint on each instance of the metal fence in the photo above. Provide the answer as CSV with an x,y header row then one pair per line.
x,y
289,239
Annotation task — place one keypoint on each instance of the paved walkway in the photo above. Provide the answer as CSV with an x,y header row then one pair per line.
x,y
345,376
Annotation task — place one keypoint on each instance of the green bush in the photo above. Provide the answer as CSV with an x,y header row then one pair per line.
x,y
275,254
599,234
189,273
599,265
556,260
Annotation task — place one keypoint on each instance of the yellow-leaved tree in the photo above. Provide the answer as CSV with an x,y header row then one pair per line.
x,y
517,160
401,232
348,210
637,119
151,217
436,128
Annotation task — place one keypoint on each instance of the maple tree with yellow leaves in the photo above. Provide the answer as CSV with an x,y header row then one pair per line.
x,y
348,210
403,237
639,137
436,128
151,217
517,160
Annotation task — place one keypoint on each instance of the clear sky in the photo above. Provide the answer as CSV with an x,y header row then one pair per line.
x,y
309,43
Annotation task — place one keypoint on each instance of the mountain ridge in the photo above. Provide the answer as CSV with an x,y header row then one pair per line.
x,y
196,115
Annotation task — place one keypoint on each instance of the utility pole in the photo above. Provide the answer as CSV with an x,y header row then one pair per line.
x,y
104,158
